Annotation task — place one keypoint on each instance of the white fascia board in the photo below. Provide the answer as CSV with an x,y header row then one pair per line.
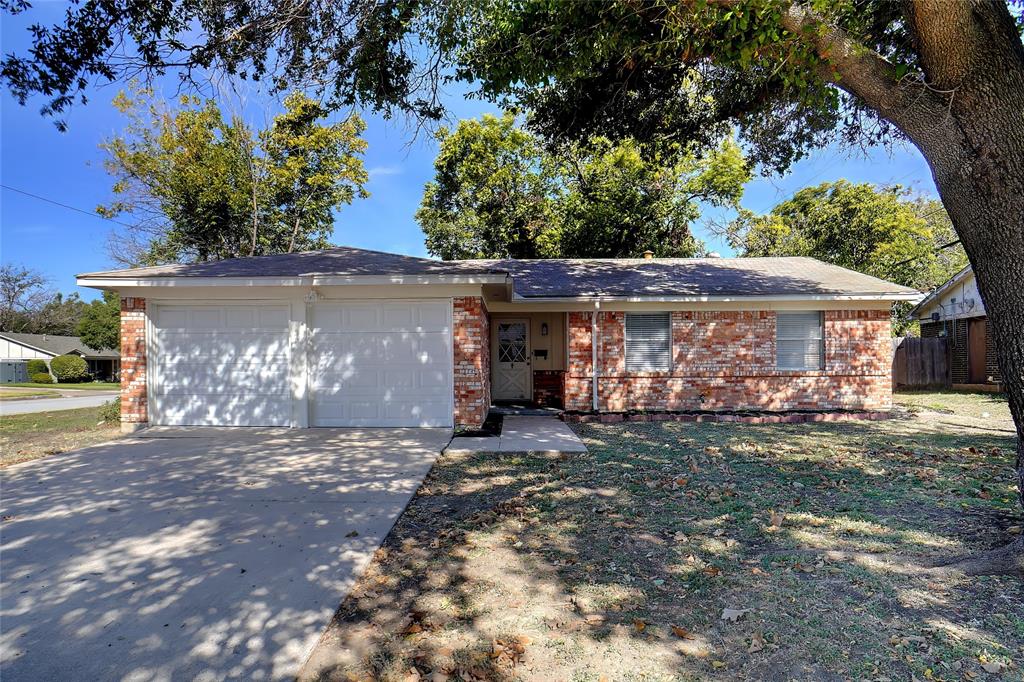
x,y
722,299
29,346
302,280
936,294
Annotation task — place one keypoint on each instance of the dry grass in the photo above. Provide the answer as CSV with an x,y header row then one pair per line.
x,y
25,437
619,564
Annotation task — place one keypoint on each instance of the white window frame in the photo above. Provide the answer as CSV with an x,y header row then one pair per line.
x,y
815,334
666,364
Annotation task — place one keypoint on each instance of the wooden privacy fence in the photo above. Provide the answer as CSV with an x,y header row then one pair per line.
x,y
920,362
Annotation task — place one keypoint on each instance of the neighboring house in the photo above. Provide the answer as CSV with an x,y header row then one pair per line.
x,y
956,312
347,337
17,349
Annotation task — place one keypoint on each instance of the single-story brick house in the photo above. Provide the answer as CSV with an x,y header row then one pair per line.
x,y
955,311
348,337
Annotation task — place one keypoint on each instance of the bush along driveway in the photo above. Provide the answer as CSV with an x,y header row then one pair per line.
x,y
697,551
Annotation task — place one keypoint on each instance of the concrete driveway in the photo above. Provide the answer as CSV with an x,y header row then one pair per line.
x,y
194,553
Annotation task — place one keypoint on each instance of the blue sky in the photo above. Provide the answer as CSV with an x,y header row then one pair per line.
x,y
66,167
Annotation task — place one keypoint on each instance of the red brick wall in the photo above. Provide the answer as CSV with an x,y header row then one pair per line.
x,y
548,387
725,360
472,350
133,361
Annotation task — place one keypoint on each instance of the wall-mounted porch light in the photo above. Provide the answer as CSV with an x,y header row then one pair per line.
x,y
543,328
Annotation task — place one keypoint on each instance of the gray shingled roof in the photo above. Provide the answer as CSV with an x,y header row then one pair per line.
x,y
59,345
637,277
562,278
340,261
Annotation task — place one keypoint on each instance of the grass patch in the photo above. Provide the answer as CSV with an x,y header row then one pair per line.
x,y
90,386
25,437
25,393
962,403
621,563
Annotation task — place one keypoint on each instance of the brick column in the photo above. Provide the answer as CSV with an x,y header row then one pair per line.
x,y
471,342
580,370
134,412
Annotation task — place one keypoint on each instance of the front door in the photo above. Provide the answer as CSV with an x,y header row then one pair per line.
x,y
976,352
511,364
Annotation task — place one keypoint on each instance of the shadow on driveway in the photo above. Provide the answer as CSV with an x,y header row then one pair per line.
x,y
194,553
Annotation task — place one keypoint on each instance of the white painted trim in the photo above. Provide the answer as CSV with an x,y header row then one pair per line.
x,y
149,365
451,357
298,368
719,299
938,292
300,280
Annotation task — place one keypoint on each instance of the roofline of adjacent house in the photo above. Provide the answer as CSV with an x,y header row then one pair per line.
x,y
52,353
27,345
894,296
938,291
311,279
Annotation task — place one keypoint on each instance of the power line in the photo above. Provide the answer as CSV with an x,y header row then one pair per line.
x,y
72,208
935,250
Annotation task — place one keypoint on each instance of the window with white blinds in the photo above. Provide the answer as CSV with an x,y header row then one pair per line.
x,y
648,342
799,340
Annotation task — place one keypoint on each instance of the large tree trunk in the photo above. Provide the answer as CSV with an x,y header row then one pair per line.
x,y
973,54
966,116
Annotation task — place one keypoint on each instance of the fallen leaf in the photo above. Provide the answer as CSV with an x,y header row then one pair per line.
x,y
756,643
639,625
681,632
776,519
733,615
993,667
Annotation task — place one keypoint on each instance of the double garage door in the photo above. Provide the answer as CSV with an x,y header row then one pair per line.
x,y
348,364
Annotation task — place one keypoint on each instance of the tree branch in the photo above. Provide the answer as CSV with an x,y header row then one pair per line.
x,y
920,112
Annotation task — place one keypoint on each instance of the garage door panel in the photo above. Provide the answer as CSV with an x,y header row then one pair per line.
x,y
222,364
373,412
228,409
381,364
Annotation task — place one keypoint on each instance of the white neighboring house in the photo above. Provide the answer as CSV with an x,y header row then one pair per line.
x,y
16,349
956,312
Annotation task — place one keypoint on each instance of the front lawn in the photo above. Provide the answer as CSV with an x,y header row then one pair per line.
x,y
30,436
25,393
681,551
90,386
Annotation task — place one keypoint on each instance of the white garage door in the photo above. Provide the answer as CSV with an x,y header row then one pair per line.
x,y
380,364
220,365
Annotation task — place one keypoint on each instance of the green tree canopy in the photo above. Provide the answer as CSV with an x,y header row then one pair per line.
x,y
875,230
100,326
499,193
201,187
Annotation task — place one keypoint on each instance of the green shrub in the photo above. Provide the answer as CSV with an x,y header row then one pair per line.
x,y
69,369
41,378
110,412
37,367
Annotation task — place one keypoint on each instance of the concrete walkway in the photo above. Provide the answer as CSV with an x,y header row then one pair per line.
x,y
67,402
524,434
204,554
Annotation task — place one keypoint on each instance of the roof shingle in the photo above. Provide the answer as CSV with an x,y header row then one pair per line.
x,y
562,278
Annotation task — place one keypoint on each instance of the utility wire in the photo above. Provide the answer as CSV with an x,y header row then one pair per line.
x,y
72,208
935,250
